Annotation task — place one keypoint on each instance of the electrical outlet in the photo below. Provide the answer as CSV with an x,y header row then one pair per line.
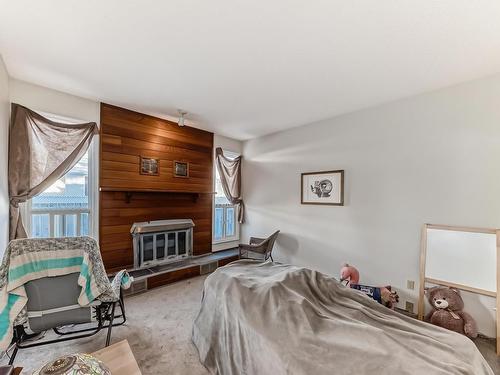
x,y
409,306
410,284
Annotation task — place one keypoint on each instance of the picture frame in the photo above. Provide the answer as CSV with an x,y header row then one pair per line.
x,y
322,188
181,169
149,166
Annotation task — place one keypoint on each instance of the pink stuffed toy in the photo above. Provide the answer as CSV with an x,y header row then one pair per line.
x,y
350,274
384,295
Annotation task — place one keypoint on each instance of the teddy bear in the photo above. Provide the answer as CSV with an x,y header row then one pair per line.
x,y
447,311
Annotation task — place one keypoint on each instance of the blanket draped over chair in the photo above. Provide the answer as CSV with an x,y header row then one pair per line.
x,y
31,259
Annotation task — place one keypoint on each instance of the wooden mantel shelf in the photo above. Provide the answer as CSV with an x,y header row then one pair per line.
x,y
130,192
153,191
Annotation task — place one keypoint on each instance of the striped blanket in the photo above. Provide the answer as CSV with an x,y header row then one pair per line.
x,y
31,259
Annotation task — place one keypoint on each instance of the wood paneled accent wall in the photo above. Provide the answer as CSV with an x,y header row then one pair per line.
x,y
126,196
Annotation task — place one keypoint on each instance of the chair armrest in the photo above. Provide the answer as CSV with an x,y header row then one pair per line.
x,y
257,248
256,240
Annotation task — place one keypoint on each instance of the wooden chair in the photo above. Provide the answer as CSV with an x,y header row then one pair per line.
x,y
260,247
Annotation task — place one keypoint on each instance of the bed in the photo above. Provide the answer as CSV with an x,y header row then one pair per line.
x,y
266,318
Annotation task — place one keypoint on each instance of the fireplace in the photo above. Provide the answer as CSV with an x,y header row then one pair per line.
x,y
161,241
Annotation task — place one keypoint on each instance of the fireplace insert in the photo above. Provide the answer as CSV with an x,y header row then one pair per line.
x,y
161,241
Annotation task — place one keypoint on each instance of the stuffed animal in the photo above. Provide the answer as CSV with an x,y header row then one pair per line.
x,y
349,275
447,311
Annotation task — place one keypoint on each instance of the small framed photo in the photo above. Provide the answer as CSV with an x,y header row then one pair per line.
x,y
323,188
181,169
150,166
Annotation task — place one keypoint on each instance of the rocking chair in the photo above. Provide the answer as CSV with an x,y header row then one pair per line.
x,y
57,311
53,301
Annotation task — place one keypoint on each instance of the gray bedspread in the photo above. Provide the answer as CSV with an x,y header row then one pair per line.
x,y
265,318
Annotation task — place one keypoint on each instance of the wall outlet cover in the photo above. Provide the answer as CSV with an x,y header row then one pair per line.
x,y
410,284
409,306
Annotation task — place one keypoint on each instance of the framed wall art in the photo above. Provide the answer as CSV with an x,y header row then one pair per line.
x,y
149,166
181,169
323,188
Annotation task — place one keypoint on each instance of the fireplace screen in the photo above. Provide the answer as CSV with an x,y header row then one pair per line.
x,y
159,242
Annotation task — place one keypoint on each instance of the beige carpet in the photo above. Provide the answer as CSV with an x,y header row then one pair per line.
x,y
159,333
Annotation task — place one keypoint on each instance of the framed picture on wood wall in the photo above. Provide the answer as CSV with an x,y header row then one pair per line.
x,y
322,188
181,169
149,166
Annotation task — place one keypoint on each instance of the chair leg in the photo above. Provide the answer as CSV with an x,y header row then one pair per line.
x,y
18,336
122,315
13,356
111,317
122,307
267,256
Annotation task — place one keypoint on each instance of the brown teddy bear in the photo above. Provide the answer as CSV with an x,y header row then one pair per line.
x,y
447,305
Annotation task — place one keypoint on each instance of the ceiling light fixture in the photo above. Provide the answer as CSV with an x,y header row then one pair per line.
x,y
181,117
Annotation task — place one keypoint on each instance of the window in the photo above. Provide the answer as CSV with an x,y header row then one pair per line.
x,y
65,208
226,226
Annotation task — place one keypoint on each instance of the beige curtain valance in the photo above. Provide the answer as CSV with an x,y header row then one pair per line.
x,y
40,152
230,175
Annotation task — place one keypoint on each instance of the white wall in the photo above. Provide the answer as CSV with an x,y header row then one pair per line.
x,y
433,158
228,144
4,148
43,99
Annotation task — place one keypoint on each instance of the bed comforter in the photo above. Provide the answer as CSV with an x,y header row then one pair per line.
x,y
265,318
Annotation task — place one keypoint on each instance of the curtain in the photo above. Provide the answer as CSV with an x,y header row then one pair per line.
x,y
230,175
40,152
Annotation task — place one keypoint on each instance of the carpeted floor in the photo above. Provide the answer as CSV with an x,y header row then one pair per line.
x,y
159,333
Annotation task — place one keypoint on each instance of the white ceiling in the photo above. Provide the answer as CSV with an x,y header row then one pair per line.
x,y
248,68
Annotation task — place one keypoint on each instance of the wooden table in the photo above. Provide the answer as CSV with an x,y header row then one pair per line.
x,y
119,359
